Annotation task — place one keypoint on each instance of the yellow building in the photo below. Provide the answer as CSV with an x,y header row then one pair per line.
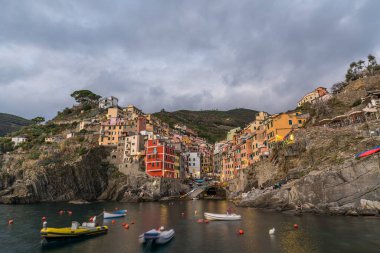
x,y
279,125
114,112
112,131
259,119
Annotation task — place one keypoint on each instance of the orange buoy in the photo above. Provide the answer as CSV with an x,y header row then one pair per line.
x,y
200,221
123,224
10,222
295,226
126,226
113,221
241,232
43,218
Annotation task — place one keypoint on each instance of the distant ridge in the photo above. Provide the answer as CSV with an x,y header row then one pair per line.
x,y
210,124
10,123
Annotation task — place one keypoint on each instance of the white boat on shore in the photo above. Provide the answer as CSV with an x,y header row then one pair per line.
x,y
157,236
217,216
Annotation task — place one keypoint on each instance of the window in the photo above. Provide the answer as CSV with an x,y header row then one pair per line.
x,y
299,121
290,122
193,164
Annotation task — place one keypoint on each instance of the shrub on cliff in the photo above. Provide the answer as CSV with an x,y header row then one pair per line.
x,y
6,145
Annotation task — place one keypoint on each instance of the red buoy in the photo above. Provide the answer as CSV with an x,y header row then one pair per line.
x,y
69,213
132,222
295,226
241,232
206,221
10,222
43,218
61,212
113,221
91,219
200,221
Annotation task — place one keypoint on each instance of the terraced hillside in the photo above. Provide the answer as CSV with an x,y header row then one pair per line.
x,y
210,124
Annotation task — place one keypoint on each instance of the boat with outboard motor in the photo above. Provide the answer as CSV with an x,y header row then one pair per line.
x,y
225,217
75,231
114,214
157,236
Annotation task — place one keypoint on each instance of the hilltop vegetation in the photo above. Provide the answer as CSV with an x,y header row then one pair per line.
x,y
210,124
10,123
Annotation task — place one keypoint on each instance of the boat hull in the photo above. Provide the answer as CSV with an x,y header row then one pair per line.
x,y
222,217
116,214
59,234
157,237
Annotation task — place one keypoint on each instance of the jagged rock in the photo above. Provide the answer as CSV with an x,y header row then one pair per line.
x,y
338,190
87,178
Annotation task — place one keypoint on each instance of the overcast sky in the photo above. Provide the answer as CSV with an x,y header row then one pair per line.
x,y
174,54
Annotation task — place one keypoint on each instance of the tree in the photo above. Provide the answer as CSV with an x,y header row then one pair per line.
x,y
38,120
372,64
337,87
85,97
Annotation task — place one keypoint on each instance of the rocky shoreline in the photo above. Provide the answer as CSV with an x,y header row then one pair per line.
x,y
86,179
352,189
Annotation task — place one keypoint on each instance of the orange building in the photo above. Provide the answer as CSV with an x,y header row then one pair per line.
x,y
259,145
278,126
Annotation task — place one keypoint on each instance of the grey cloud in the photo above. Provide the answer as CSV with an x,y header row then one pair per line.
x,y
191,54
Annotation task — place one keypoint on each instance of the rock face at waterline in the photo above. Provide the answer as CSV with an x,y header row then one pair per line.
x,y
63,176
352,188
318,172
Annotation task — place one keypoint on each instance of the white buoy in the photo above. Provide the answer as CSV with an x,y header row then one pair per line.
x,y
162,228
271,231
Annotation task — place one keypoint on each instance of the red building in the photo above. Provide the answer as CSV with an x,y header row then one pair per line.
x,y
159,159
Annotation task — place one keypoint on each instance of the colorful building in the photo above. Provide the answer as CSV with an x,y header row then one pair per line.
x,y
160,158
312,96
111,131
194,164
278,126
134,148
232,133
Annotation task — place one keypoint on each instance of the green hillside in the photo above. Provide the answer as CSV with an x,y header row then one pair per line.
x,y
10,123
210,124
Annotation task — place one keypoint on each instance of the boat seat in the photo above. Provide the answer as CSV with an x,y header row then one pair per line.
x,y
74,225
88,224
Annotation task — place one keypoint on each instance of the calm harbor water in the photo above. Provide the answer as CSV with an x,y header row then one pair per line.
x,y
315,233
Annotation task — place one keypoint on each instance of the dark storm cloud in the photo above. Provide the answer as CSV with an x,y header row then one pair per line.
x,y
178,54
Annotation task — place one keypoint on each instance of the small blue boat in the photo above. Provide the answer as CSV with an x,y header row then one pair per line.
x,y
115,214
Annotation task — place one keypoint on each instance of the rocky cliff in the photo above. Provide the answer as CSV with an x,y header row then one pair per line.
x,y
318,172
60,174
351,188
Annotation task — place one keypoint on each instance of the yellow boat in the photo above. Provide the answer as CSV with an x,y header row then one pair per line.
x,y
75,231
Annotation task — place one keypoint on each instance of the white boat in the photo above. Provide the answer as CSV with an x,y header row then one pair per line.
x,y
156,236
217,216
115,214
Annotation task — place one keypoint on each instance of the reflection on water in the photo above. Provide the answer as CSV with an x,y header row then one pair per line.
x,y
315,233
